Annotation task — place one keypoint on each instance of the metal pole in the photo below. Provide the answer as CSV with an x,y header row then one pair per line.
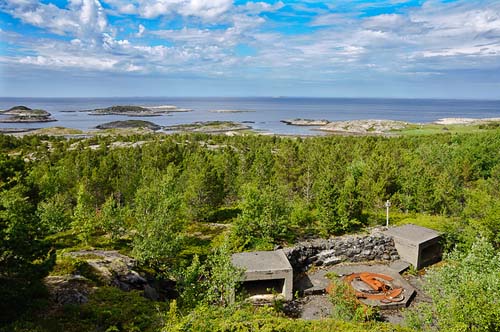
x,y
387,205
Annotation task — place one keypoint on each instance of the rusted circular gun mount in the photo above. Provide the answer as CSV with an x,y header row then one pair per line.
x,y
376,287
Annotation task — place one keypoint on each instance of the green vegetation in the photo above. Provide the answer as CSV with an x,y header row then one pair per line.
x,y
431,128
464,292
119,109
345,305
25,114
109,309
19,108
26,257
208,126
180,204
129,124
247,319
57,131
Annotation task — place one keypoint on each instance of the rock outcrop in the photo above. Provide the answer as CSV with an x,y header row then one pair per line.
x,y
208,127
103,268
68,289
363,127
305,122
112,268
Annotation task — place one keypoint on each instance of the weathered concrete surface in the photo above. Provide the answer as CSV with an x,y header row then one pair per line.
x,y
312,283
266,266
316,307
417,245
408,290
399,266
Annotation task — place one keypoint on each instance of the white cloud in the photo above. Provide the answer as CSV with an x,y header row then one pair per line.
x,y
141,31
205,9
83,18
331,19
254,8
432,38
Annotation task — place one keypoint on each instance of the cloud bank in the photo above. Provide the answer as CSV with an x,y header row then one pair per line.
x,y
311,43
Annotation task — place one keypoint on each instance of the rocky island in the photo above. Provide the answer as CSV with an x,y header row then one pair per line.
x,y
23,114
363,127
305,122
129,124
130,110
231,111
209,127
351,127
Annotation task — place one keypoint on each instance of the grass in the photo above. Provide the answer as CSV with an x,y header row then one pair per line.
x,y
432,129
124,132
208,126
200,238
57,131
396,218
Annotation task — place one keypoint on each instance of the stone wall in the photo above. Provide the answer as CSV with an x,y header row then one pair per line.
x,y
356,248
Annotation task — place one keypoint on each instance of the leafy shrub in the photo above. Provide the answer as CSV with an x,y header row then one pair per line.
x,y
464,291
346,306
265,319
109,309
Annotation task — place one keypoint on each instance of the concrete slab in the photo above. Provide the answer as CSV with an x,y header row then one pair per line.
x,y
263,267
399,266
316,307
312,283
413,233
261,260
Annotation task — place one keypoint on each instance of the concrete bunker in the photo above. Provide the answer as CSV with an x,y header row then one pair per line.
x,y
265,273
304,268
417,245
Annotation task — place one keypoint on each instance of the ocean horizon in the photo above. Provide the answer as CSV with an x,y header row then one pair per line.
x,y
264,113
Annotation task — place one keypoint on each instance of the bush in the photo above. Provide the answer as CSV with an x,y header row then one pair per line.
x,y
265,319
465,291
346,306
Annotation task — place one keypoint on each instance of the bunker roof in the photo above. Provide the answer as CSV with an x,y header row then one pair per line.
x,y
413,233
262,261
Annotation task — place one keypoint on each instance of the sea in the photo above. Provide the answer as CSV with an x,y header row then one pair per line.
x,y
264,114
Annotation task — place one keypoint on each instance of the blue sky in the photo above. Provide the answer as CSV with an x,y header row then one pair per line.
x,y
385,48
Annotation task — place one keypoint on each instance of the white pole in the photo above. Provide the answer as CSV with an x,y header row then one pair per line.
x,y
387,205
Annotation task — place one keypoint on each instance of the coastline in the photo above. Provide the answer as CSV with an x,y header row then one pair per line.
x,y
269,117
372,127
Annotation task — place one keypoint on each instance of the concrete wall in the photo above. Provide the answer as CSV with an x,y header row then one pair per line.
x,y
417,245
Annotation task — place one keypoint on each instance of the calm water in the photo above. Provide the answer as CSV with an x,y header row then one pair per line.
x,y
267,111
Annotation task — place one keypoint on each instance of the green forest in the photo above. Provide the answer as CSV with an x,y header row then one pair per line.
x,y
181,204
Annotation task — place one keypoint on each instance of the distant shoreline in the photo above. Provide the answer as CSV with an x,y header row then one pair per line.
x,y
266,116
231,128
247,98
